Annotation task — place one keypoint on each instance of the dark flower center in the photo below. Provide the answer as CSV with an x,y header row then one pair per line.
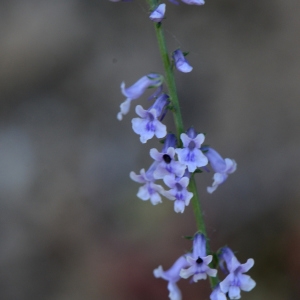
x,y
150,116
167,158
199,260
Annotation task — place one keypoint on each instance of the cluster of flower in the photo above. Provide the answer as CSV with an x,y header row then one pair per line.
x,y
196,264
174,165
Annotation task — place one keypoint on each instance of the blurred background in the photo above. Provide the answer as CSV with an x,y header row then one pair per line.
x,y
71,226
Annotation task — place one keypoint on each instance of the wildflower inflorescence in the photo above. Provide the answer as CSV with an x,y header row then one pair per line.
x,y
171,173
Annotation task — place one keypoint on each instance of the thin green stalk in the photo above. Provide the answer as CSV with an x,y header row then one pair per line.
x,y
170,80
169,75
171,85
197,207
201,224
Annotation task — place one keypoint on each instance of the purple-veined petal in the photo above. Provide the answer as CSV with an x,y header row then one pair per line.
x,y
199,246
180,61
148,125
158,14
235,281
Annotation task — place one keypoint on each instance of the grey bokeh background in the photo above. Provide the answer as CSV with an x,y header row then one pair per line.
x,y
71,225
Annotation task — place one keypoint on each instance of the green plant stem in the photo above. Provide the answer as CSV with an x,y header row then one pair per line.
x,y
171,85
169,75
201,224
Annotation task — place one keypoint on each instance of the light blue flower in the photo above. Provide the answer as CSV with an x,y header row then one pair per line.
x,y
194,2
235,280
198,261
166,162
172,276
191,2
222,167
191,155
150,190
158,14
148,124
136,90
217,294
180,62
178,192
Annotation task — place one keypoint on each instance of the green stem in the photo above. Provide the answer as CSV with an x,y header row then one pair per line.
x,y
171,85
169,75
201,224
197,206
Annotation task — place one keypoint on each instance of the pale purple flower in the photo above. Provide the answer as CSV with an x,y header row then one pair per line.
x,y
166,162
191,155
195,2
150,190
217,294
198,261
172,276
136,90
158,14
148,125
235,280
178,192
222,167
180,61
